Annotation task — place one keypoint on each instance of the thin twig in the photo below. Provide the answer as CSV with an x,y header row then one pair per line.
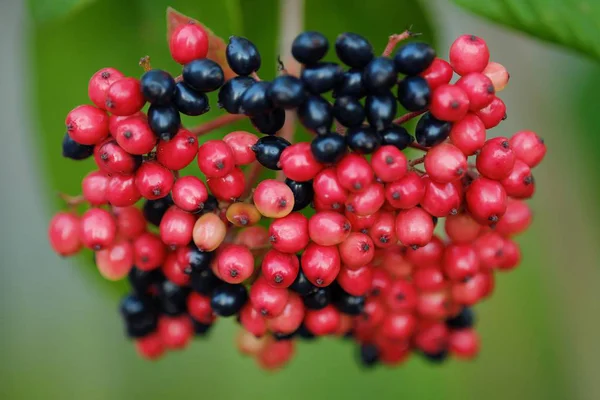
x,y
416,161
407,117
252,175
417,146
393,41
216,123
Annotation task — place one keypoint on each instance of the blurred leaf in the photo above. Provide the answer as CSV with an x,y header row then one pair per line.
x,y
44,10
571,23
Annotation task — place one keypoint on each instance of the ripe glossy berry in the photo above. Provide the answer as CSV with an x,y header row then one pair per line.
x,y
414,58
350,84
464,343
516,219
396,135
449,103
496,158
360,223
177,153
149,251
460,262
228,299
190,101
321,264
289,234
158,86
164,121
318,299
357,250
124,97
204,281
188,42
316,114
298,163
366,202
176,227
150,347
353,50
478,88
255,100
99,84
93,187
328,228
75,151
309,47
406,192
270,301
468,134
155,209
209,232
230,94
280,269
322,322
229,187
383,230
287,92
431,131
111,158
189,193
273,199
328,148
363,139
414,227
302,285
441,199
528,147
203,75
115,261
497,74
381,109
303,193
121,191
98,229
328,188
356,282
486,200
130,221
269,122
492,114
215,159
380,75
469,53
438,73
235,263
199,308
135,136
348,111
414,93
321,77
63,233
519,183
389,163
153,180
445,163
268,150
242,55
242,214
87,125
354,173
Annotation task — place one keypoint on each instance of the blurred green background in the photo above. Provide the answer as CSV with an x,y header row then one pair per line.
x,y
61,336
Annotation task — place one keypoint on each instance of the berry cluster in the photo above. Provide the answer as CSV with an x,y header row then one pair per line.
x,y
348,244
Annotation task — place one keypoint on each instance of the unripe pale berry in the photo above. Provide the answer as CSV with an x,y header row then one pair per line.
x,y
497,74
64,233
242,214
115,261
273,199
253,237
98,229
209,232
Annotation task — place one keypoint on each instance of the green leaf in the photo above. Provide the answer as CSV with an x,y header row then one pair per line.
x,y
571,23
45,10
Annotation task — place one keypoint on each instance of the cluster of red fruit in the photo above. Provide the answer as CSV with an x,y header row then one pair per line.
x,y
365,263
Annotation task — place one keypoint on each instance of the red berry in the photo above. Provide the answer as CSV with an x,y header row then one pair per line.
x,y
124,97
373,312
519,183
486,200
298,163
268,300
445,163
252,320
199,308
516,219
273,199
528,147
389,163
490,250
398,325
431,337
356,282
176,227
320,264
98,229
479,89
380,284
235,263
360,223
438,73
429,279
357,250
241,143
93,188
87,124
275,354
112,158
189,193
430,254
115,120
322,322
209,232
99,84
121,191
497,74
253,237
492,114
174,270
177,153
464,343
215,159
175,332
469,53
511,255
406,192
393,260
441,199
393,352
433,305
354,173
150,346
496,159
130,222
229,187
449,103
462,228
460,262
135,136
368,201
290,319
188,42
289,234
468,134
328,189
280,269
153,180
383,230
149,251
414,227
401,297
63,233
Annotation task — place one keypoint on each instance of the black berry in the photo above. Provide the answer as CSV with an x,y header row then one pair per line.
x,y
242,56
255,100
431,131
309,47
204,281
396,135
414,58
164,121
303,193
155,209
201,329
158,87
380,75
351,84
348,111
363,139
464,319
172,298
353,50
438,357
198,259
368,355
190,101
414,93
317,299
268,150
381,109
141,280
227,299
204,75
322,77
230,94
328,148
302,285
316,114
139,315
75,151
269,122
287,92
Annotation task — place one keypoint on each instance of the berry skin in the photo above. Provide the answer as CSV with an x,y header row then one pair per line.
x,y
303,193
269,122
215,159
98,229
383,230
115,262
349,306
449,103
150,347
188,42
360,223
189,101
492,114
316,114
235,263
381,109
366,202
252,321
254,237
124,97
287,92
321,77
268,150
63,233
273,199
175,332
275,354
328,189
357,250
209,232
270,301
445,163
176,227
328,148
438,73
486,200
75,151
389,163
320,264
496,159
199,308
229,187
302,285
149,251
255,100
363,139
462,228
328,228
309,47
189,193
203,75
228,300
130,222
380,75
87,125
230,94
460,262
398,326
469,53
401,297
353,50
396,135
489,247
99,84
93,188
431,131
429,279
177,153
153,180
355,282
242,214
280,269
497,74
242,55
414,58
348,111
414,227
111,158
289,234
317,299
135,136
515,220
430,254
240,143
354,173
468,134
121,191
511,257
528,147
414,93
519,183
138,316
298,163
322,322
290,319
164,121
406,192
158,86
464,343
464,319
350,84
479,89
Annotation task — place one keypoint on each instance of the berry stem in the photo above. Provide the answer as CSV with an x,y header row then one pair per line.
x,y
396,38
255,76
417,146
216,123
252,175
407,117
416,161
145,63
339,128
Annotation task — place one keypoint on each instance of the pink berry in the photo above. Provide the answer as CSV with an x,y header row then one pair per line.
x,y
496,159
93,188
298,163
479,89
273,199
354,173
122,191
441,199
438,73
153,180
289,234
135,136
360,223
290,319
150,347
99,84
368,201
516,219
389,163
528,147
235,263
149,251
189,193
357,250
486,200
320,264
519,183
414,227
356,282
383,232
275,354
176,227
266,299
130,221
493,113
462,228
98,229
445,163
328,189
398,325
464,343
188,42
64,234
406,192
449,103
174,270
252,320
209,232
124,97
460,262
87,124
229,187
115,261
497,74
240,143
469,53
215,159
280,269
199,308
112,158
322,322
177,153
468,134
175,332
